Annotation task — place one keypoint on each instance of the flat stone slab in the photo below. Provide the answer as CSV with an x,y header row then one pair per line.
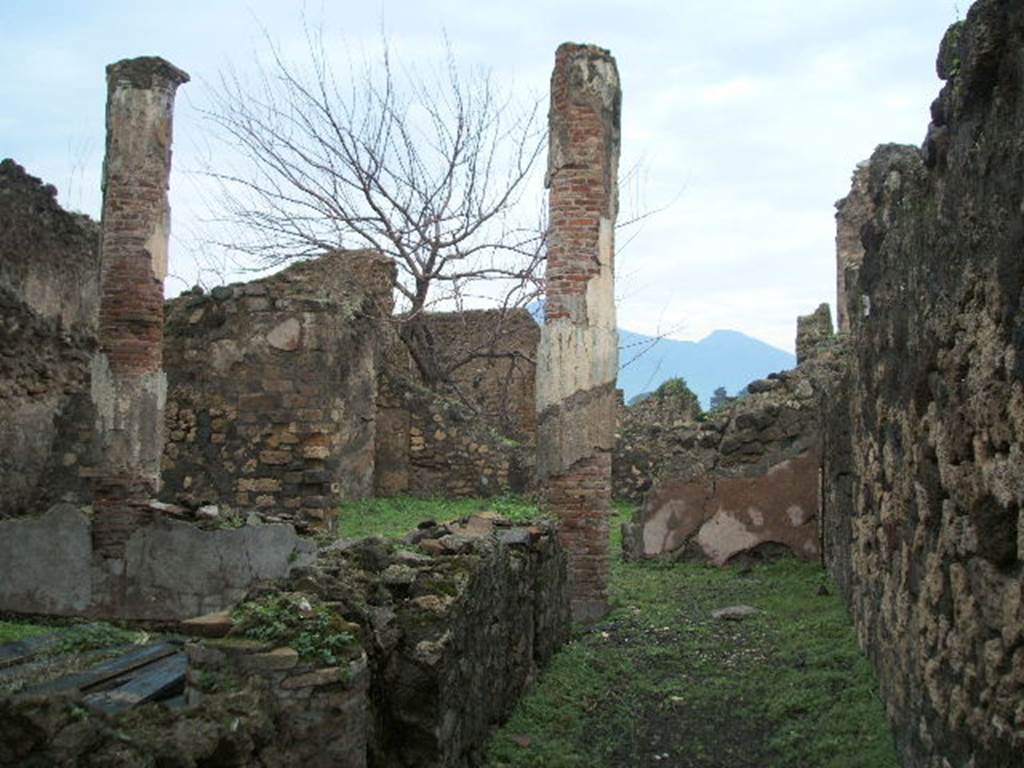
x,y
217,624
735,613
46,562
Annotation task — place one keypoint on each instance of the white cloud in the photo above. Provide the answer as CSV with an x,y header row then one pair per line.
x,y
751,114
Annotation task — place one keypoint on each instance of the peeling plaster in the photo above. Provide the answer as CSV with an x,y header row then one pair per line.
x,y
573,358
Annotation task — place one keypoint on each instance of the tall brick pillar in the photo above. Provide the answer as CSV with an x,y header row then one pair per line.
x,y
128,384
577,361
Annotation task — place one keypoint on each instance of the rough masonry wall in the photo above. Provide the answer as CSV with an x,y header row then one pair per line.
x,y
48,257
176,569
490,356
935,536
49,267
474,437
272,388
457,622
744,479
814,334
645,436
577,360
852,213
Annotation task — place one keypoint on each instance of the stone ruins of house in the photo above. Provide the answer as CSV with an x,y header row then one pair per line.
x,y
577,361
744,480
893,451
271,405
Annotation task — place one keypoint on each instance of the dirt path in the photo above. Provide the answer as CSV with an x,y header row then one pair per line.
x,y
661,682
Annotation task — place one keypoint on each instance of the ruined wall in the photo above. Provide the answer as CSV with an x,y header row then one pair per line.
x,y
455,630
742,479
272,385
174,569
445,632
852,213
431,441
933,533
814,334
646,434
244,709
48,257
49,265
490,355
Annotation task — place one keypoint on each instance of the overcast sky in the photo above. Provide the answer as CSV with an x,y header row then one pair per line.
x,y
748,115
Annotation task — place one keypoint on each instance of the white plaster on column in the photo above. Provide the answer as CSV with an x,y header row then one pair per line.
x,y
601,288
156,246
573,358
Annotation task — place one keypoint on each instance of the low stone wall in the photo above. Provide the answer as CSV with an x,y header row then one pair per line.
x,y
455,631
926,464
443,635
172,570
745,478
272,385
320,714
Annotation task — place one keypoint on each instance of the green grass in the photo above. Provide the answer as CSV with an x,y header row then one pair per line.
x,y
74,647
12,631
395,517
659,682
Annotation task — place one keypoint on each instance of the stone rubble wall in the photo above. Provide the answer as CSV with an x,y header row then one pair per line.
x,y
50,257
743,480
644,436
49,270
448,630
814,334
272,386
456,623
431,441
239,713
491,355
925,468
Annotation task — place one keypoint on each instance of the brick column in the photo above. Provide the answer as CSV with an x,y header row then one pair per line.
x,y
128,384
577,361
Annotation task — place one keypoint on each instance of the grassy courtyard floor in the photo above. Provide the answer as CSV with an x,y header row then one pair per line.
x,y
661,683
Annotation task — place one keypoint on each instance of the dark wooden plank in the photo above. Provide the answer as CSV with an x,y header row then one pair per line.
x,y
160,679
92,678
21,651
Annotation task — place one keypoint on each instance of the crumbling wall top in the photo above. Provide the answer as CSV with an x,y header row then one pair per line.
x,y
146,72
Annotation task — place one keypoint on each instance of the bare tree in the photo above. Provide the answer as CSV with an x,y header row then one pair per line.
x,y
430,168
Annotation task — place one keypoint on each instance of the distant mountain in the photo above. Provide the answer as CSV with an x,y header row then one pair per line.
x,y
727,359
